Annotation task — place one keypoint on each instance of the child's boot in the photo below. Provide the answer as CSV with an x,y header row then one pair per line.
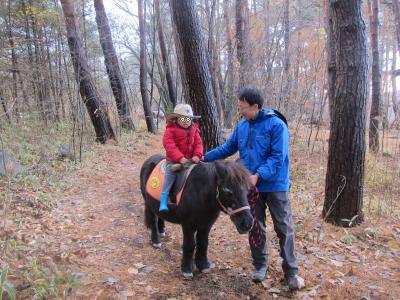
x,y
164,201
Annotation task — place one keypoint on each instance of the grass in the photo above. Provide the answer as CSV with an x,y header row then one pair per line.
x,y
47,283
381,178
29,194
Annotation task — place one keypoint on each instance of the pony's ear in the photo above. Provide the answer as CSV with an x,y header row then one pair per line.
x,y
221,171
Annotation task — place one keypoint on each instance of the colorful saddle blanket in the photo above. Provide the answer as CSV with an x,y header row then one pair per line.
x,y
155,182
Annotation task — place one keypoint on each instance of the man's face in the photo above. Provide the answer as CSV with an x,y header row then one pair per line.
x,y
246,110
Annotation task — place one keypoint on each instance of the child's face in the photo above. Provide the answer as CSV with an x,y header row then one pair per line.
x,y
184,122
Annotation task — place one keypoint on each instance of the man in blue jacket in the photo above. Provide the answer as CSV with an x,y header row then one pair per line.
x,y
262,140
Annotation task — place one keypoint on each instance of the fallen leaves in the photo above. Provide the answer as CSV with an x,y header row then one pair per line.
x,y
98,230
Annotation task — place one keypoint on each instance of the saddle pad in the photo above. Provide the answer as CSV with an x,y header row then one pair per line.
x,y
155,182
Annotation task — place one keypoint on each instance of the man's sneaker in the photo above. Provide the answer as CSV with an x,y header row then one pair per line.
x,y
295,283
259,274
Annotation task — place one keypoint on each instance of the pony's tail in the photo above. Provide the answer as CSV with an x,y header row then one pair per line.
x,y
145,171
147,212
148,216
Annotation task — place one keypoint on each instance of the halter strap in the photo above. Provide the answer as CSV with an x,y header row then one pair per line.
x,y
229,211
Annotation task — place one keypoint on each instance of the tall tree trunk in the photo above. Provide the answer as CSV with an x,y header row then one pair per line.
x,y
229,94
29,44
396,12
143,71
54,103
394,85
111,61
375,114
14,64
299,46
88,91
60,78
194,69
38,71
4,106
242,42
287,80
331,61
213,54
164,55
348,97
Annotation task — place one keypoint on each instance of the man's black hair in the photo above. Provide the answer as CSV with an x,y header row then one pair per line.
x,y
252,96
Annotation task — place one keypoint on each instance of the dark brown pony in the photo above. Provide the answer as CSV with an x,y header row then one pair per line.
x,y
210,188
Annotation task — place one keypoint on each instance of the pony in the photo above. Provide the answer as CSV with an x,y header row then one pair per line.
x,y
209,189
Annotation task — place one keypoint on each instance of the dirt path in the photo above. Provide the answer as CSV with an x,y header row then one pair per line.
x,y
97,231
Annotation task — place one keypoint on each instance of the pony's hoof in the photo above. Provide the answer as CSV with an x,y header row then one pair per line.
x,y
156,245
206,270
187,276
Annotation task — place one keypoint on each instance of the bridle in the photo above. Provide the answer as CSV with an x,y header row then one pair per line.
x,y
228,210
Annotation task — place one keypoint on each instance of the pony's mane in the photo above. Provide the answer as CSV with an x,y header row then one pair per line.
x,y
236,172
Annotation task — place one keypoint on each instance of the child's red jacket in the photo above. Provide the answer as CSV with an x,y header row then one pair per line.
x,y
180,142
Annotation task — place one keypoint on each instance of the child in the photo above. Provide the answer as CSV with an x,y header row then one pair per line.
x,y
182,142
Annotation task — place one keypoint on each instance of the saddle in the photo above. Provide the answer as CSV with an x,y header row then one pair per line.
x,y
155,181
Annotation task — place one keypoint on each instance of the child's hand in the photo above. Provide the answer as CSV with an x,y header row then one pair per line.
x,y
195,159
183,160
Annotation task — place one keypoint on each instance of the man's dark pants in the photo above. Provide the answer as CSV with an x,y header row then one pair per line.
x,y
280,209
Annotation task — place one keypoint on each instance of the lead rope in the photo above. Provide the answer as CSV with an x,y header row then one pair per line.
x,y
254,234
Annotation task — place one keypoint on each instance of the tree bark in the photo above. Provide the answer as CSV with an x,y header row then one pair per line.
x,y
30,52
88,91
331,61
229,94
348,97
287,77
394,86
112,65
213,53
375,114
195,71
14,64
3,104
396,12
242,42
164,55
143,71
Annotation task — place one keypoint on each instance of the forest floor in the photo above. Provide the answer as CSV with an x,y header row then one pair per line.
x,y
91,242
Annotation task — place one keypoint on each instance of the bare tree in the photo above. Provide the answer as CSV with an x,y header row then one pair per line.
x,y
375,114
164,55
195,70
394,85
213,52
242,41
287,77
348,75
14,62
229,95
396,12
143,71
111,61
88,91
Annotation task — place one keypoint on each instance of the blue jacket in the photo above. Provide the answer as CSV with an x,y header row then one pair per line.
x,y
263,146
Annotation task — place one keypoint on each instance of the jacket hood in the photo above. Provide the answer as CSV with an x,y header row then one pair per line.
x,y
263,114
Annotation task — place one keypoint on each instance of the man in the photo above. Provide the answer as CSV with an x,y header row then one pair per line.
x,y
262,140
